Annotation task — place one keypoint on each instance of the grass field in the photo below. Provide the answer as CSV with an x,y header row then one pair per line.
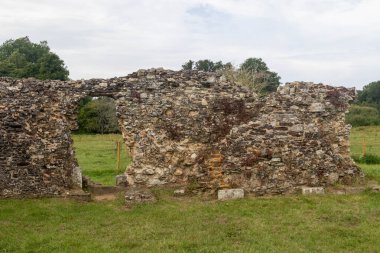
x,y
326,223
97,156
370,136
329,223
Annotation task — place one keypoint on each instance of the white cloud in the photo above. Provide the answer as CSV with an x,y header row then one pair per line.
x,y
330,41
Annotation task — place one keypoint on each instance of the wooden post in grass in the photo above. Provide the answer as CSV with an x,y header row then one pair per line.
x,y
118,155
364,148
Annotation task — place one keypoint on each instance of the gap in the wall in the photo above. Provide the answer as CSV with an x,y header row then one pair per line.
x,y
99,146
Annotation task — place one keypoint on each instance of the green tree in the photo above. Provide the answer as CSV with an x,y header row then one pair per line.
x,y
257,76
188,65
206,65
21,58
370,94
366,110
254,65
97,116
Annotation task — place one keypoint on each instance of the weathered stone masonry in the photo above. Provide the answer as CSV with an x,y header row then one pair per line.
x,y
183,128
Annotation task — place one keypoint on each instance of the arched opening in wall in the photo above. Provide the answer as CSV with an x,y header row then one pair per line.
x,y
98,143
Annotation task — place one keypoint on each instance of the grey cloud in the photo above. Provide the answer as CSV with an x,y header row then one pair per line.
x,y
332,41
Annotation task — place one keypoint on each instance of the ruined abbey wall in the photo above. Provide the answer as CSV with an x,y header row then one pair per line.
x,y
183,128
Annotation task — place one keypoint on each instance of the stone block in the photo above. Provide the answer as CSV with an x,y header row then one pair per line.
x,y
312,190
230,194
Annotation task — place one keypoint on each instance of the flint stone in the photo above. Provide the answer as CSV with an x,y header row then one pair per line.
x,y
316,107
230,194
276,160
297,128
149,172
178,172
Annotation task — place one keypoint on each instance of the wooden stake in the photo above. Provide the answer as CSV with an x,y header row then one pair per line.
x,y
364,148
118,155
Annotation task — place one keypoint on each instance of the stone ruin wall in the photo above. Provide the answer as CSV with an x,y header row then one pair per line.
x,y
192,129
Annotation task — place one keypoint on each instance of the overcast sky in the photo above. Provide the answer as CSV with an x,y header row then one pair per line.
x,y
336,42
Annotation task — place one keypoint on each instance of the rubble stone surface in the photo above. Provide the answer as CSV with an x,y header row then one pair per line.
x,y
186,128
138,196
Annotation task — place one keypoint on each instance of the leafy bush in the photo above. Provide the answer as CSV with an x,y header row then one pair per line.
x,y
97,116
363,116
370,94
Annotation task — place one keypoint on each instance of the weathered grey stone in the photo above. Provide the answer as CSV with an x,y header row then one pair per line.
x,y
230,194
77,178
121,180
312,190
354,189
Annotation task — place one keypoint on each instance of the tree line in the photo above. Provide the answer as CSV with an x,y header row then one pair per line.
x,y
366,108
21,58
252,73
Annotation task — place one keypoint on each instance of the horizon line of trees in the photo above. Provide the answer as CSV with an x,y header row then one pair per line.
x,y
252,73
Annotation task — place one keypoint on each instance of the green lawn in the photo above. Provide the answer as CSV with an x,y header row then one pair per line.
x,y
97,156
329,223
326,223
370,136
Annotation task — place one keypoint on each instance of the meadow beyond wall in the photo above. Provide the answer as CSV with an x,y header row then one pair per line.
x,y
183,128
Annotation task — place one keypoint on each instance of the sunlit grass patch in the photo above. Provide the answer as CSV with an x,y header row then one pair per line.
x,y
97,156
